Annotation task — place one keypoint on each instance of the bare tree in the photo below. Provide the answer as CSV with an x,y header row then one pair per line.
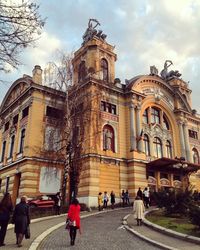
x,y
77,115
20,25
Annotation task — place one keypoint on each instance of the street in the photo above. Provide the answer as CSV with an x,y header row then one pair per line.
x,y
99,232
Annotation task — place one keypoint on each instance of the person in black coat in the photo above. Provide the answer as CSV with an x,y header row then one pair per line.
x,y
112,199
139,193
21,219
6,208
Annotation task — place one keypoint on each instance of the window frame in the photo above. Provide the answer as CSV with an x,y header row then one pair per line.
x,y
168,146
158,147
155,115
12,143
146,144
104,68
22,140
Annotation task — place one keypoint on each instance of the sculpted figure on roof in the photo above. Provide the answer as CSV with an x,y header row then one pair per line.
x,y
171,74
91,31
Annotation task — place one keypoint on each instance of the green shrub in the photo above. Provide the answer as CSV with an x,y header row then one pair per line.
x,y
174,201
194,215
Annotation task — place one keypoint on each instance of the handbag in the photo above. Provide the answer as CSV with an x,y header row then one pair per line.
x,y
70,223
27,233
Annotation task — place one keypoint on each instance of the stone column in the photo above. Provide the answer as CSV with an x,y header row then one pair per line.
x,y
151,146
161,118
182,142
164,149
186,139
138,128
132,127
149,115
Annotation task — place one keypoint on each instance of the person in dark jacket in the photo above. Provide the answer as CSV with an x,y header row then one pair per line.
x,y
112,199
139,193
6,208
21,219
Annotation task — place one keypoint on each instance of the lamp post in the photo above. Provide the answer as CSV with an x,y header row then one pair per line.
x,y
181,165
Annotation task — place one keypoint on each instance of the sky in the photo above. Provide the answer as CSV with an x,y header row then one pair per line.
x,y
144,33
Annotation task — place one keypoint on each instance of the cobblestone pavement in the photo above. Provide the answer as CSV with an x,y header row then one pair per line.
x,y
36,229
100,232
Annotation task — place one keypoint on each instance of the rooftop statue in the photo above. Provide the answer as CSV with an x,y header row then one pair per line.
x,y
171,74
91,31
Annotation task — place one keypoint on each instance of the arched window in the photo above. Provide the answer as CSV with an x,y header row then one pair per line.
x,y
195,155
108,138
146,144
12,142
165,123
104,68
157,147
81,71
145,116
168,149
22,139
155,115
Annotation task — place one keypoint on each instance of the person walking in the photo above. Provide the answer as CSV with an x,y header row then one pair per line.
x,y
123,197
74,217
146,197
6,208
21,219
100,201
58,203
127,198
105,199
139,193
112,199
138,210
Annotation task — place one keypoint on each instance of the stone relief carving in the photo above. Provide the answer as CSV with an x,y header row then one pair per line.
x,y
154,130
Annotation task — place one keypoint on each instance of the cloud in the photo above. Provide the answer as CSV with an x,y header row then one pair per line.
x,y
145,32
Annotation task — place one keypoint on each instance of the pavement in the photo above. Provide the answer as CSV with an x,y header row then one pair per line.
x,y
151,233
159,236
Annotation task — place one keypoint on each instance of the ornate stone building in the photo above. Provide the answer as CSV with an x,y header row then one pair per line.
x,y
29,115
140,133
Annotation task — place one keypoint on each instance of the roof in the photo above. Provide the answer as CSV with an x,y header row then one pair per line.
x,y
168,164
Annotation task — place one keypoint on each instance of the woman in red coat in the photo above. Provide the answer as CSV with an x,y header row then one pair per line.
x,y
74,217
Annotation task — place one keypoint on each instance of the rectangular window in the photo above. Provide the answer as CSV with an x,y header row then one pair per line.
x,y
3,151
193,134
54,112
25,112
22,139
108,107
6,126
103,106
15,119
7,184
12,142
113,109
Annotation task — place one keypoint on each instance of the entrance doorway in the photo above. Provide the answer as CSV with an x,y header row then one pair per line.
x,y
16,187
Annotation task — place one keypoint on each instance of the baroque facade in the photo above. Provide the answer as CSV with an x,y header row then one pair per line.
x,y
140,133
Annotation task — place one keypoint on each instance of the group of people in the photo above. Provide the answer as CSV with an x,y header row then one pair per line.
x,y
141,202
103,200
20,218
125,198
145,196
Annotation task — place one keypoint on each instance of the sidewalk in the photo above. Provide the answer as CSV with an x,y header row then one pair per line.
x,y
159,237
39,229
